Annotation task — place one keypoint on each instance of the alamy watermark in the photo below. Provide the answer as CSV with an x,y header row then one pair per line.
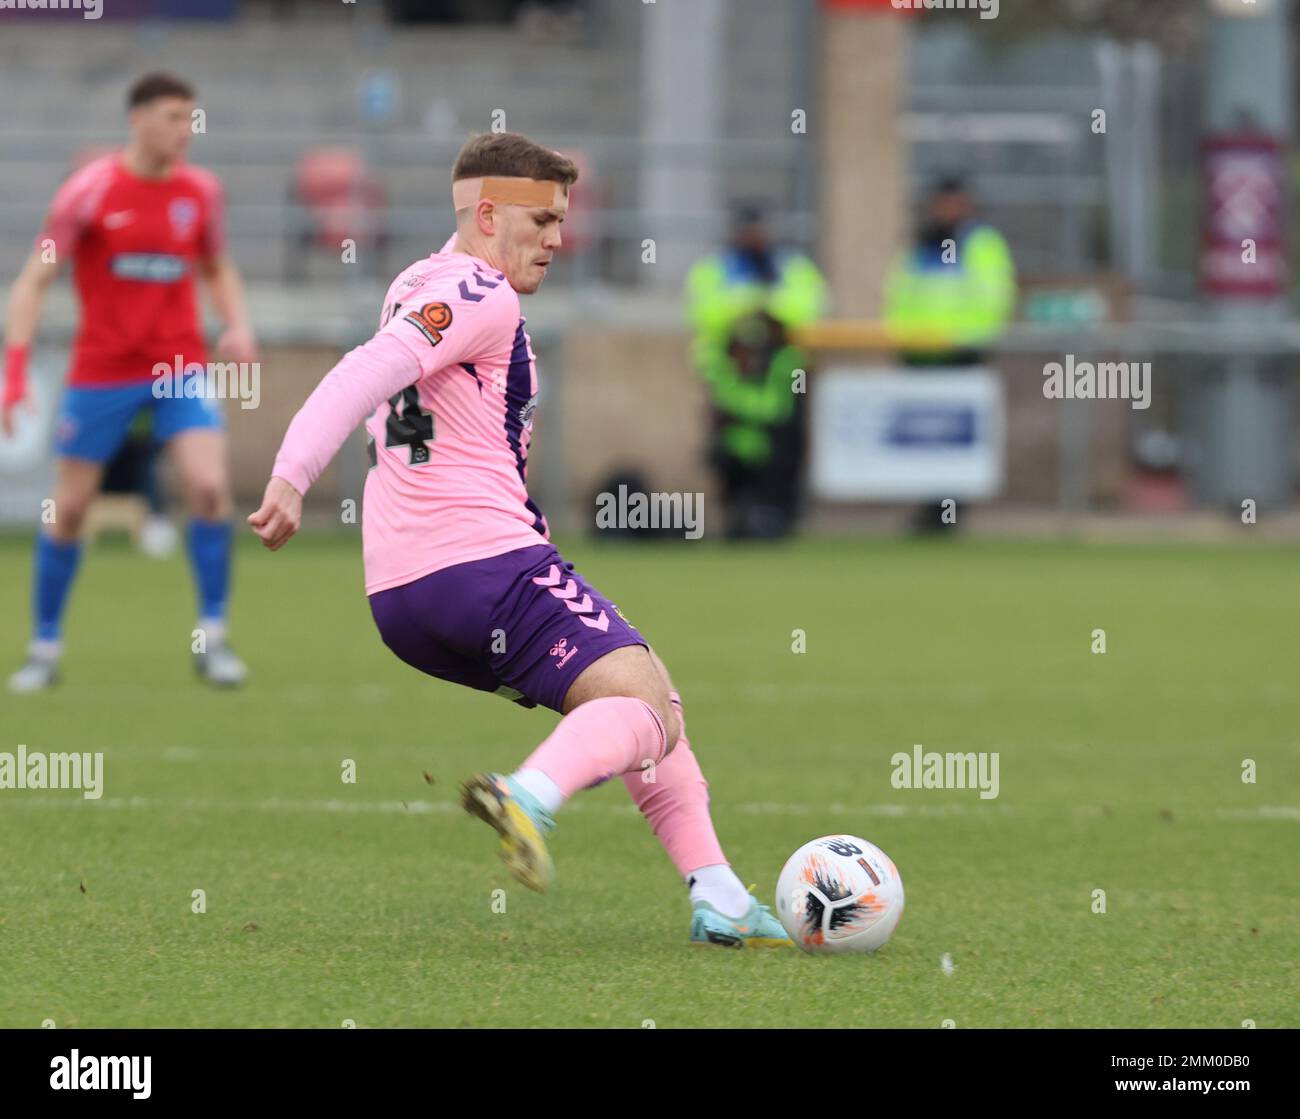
x,y
931,770
1101,380
631,509
35,769
114,1074
988,9
218,380
89,9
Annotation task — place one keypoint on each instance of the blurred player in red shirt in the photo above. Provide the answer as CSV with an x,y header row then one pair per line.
x,y
137,224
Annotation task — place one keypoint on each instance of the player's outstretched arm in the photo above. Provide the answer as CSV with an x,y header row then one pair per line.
x,y
227,289
355,387
26,298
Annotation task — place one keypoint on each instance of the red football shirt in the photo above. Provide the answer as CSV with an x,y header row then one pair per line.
x,y
134,243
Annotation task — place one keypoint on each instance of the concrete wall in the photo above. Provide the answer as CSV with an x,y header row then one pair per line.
x,y
628,399
632,400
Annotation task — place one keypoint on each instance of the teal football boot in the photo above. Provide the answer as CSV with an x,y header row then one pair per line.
x,y
758,928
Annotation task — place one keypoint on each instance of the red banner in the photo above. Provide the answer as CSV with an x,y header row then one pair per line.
x,y
1243,232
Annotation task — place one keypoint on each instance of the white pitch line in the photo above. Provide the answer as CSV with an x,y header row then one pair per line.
x,y
72,798
1263,812
435,807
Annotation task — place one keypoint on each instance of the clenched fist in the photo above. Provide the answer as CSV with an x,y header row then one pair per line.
x,y
279,516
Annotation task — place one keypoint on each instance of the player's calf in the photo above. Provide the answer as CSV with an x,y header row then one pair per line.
x,y
599,739
57,558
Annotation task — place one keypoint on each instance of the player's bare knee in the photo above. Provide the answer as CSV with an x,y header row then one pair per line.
x,y
208,499
69,516
672,725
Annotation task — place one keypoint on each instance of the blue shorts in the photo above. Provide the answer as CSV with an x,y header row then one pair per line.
x,y
523,624
93,422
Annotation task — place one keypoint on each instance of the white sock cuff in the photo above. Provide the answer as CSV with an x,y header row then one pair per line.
x,y
214,629
546,791
718,885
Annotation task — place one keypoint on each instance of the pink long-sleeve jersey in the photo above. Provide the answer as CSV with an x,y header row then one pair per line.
x,y
449,384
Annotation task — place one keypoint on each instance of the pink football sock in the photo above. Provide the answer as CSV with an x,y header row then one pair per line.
x,y
599,740
676,804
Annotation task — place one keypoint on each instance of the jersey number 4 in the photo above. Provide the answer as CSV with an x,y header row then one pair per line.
x,y
409,425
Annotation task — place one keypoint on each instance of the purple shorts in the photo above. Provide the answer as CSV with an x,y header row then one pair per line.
x,y
523,624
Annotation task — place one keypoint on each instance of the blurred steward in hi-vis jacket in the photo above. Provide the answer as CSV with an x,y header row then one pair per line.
x,y
949,295
742,303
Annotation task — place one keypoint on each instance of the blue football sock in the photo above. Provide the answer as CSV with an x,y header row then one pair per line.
x,y
56,565
208,543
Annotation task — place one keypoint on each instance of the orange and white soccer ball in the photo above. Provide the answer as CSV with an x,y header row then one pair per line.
x,y
839,894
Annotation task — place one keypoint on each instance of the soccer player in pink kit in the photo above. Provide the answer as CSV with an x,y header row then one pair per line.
x,y
462,579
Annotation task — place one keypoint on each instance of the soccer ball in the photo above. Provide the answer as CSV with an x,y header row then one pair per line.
x,y
839,894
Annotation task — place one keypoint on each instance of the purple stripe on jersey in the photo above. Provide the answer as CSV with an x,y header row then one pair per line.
x,y
519,394
468,366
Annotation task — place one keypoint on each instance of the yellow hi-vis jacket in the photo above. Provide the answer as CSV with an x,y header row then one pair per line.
x,y
720,292
962,296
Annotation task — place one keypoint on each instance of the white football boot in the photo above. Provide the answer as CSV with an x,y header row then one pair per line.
x,y
39,671
220,667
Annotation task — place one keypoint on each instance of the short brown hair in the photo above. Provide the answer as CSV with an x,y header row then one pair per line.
x,y
512,154
159,84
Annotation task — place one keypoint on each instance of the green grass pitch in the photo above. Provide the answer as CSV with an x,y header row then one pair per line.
x,y
374,902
